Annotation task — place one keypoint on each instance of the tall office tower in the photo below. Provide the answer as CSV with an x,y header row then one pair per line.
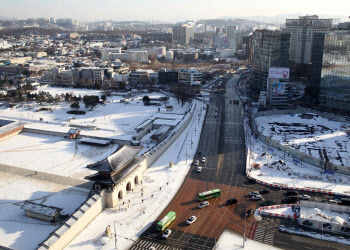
x,y
270,49
302,31
183,34
231,30
335,75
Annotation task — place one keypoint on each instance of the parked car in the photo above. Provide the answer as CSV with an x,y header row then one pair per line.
x,y
231,201
199,169
307,223
203,204
268,203
264,191
304,197
203,160
289,193
249,212
166,233
216,114
253,193
256,197
191,220
196,163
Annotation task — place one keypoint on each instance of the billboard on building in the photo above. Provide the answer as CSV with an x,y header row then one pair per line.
x,y
278,88
279,73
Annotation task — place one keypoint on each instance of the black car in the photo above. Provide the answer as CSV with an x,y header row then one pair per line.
x,y
292,199
289,193
231,201
249,212
264,191
268,203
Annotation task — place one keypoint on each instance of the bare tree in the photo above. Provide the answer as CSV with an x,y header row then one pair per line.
x,y
325,160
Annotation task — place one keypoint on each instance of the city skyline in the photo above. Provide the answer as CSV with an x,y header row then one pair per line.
x,y
165,10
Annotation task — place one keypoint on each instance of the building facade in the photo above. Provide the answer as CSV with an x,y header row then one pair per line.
x,y
270,49
160,36
183,34
302,31
335,75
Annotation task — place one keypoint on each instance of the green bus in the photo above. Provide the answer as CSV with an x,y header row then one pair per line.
x,y
209,194
163,223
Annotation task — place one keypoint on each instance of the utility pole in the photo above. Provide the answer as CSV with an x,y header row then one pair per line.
x,y
245,220
115,237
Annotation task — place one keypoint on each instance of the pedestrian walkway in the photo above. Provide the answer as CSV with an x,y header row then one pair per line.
x,y
265,232
62,180
142,244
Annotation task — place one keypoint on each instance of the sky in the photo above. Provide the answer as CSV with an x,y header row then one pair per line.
x,y
166,10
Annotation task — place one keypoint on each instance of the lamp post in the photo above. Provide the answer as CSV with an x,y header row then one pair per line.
x,y
245,220
115,236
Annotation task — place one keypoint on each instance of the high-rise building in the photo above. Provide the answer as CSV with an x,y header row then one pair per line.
x,y
231,30
270,49
183,34
335,75
302,31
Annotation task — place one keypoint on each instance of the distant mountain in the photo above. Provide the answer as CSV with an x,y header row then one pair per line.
x,y
8,18
282,17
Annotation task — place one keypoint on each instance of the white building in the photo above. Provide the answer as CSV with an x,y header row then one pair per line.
x,y
226,53
301,39
183,34
156,51
107,53
189,76
169,56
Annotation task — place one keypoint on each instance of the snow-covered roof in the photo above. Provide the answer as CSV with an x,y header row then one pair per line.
x,y
40,208
94,141
116,161
10,126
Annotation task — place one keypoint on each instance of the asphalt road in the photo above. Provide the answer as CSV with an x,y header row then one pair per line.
x,y
222,145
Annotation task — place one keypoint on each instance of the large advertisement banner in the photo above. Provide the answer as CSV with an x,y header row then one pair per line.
x,y
279,73
278,88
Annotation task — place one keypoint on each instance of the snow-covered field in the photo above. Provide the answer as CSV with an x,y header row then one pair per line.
x,y
309,134
290,173
113,120
132,219
232,241
51,154
324,215
20,232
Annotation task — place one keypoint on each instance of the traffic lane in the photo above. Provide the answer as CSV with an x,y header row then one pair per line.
x,y
288,241
217,214
278,196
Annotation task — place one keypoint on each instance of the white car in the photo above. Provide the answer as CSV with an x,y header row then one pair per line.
x,y
166,233
203,204
304,197
199,169
191,220
203,160
254,193
196,163
256,197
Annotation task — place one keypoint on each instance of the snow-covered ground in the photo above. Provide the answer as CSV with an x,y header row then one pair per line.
x,y
309,135
20,232
232,241
159,186
324,215
52,154
291,174
113,120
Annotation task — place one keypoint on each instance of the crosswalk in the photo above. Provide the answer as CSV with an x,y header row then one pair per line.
x,y
142,244
265,232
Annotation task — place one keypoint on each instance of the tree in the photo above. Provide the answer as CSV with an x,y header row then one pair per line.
x,y
146,100
90,101
75,105
325,160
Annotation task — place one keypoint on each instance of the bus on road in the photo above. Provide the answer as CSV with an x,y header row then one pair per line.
x,y
163,223
209,194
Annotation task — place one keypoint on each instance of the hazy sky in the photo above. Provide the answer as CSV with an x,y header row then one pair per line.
x,y
167,10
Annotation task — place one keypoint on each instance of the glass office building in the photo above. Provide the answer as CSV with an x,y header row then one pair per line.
x,y
270,49
335,74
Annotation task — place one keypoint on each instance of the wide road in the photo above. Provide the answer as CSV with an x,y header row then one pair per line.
x,y
222,145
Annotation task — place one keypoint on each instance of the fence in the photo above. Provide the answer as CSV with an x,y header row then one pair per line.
x,y
300,156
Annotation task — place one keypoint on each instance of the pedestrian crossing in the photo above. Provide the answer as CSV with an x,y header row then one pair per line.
x,y
144,245
265,232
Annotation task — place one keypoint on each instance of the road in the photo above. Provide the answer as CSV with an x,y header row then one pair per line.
x,y
222,145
